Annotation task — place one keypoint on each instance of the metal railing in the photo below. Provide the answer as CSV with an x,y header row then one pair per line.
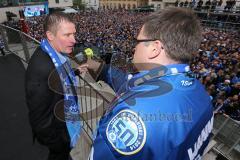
x,y
220,21
219,25
227,136
93,106
18,42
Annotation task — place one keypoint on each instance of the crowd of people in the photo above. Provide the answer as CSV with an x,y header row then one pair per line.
x,y
108,30
216,65
218,68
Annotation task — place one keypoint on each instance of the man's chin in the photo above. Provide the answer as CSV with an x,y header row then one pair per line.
x,y
69,51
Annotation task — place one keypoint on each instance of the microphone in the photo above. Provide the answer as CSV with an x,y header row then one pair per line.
x,y
80,58
82,53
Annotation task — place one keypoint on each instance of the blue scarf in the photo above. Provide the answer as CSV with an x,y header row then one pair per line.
x,y
71,107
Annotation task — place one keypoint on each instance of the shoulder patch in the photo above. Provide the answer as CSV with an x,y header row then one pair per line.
x,y
126,132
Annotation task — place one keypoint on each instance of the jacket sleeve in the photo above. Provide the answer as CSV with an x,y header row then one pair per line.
x,y
41,101
114,77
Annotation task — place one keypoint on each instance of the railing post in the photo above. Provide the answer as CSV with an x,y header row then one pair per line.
x,y
25,47
4,35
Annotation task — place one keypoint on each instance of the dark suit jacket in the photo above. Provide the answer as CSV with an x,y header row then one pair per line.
x,y
44,95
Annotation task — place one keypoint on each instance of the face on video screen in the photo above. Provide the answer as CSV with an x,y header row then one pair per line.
x,y
36,10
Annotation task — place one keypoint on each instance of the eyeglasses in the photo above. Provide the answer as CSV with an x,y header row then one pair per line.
x,y
136,41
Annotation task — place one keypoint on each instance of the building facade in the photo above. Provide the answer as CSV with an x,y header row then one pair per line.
x,y
161,4
92,4
157,4
60,3
15,6
122,4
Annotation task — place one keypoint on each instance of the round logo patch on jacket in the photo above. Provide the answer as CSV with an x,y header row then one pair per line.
x,y
126,132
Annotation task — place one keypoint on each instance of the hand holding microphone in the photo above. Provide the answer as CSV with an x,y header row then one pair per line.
x,y
85,61
82,57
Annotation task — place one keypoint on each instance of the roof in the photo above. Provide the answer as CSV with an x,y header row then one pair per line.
x,y
69,10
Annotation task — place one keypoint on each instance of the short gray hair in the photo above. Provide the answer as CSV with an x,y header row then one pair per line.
x,y
53,20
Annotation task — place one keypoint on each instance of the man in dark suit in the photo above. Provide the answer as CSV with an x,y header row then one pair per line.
x,y
44,86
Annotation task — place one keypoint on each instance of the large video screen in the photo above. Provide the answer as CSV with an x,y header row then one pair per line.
x,y
36,10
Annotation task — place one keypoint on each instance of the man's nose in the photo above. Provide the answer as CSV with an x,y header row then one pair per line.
x,y
73,40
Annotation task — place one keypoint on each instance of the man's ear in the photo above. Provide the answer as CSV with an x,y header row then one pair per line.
x,y
50,35
157,49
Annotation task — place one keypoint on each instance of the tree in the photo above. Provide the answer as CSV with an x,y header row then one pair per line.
x,y
78,4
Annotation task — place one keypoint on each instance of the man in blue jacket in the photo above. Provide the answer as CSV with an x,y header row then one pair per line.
x,y
163,113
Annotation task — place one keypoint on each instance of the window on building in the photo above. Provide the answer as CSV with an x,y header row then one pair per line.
x,y
6,3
